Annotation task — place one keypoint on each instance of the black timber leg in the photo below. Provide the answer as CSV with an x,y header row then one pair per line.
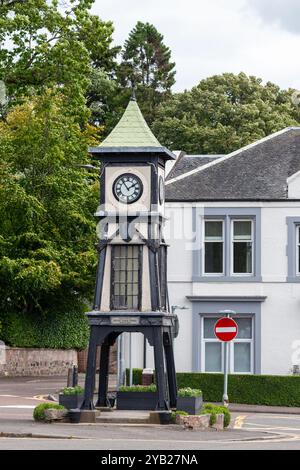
x,y
88,402
169,352
103,375
160,370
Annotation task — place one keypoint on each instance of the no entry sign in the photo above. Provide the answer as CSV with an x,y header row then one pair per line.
x,y
226,329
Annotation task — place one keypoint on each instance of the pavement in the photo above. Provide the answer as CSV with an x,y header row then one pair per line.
x,y
266,429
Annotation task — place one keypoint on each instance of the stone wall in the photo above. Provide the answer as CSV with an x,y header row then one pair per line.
x,y
36,362
82,359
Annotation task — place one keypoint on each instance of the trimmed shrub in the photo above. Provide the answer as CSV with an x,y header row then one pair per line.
x,y
210,384
72,390
276,390
189,392
136,376
251,389
54,330
39,410
138,388
214,410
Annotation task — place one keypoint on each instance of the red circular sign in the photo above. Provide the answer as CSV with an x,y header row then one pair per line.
x,y
226,329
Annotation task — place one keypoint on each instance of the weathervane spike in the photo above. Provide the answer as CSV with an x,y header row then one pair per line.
x,y
133,97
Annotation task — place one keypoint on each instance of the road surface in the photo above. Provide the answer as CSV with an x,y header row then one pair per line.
x,y
18,397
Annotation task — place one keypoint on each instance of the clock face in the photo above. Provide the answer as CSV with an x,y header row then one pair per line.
x,y
128,188
161,190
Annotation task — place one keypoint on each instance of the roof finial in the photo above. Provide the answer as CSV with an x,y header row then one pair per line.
x,y
133,97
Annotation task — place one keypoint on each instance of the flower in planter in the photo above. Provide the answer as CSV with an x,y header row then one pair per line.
x,y
138,388
137,397
189,400
71,397
72,390
189,392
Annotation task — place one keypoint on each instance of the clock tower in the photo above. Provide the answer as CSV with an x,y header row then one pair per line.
x,y
131,293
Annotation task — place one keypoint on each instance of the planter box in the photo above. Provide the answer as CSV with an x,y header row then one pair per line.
x,y
191,405
136,400
70,401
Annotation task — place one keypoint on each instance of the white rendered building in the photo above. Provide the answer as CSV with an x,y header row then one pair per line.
x,y
234,243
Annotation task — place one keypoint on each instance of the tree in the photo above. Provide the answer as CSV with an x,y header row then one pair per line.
x,y
106,100
146,63
47,202
223,113
43,44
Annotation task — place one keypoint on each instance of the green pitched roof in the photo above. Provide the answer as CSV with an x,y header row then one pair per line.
x,y
131,131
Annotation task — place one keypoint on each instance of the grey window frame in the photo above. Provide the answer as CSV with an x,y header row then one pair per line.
x,y
220,241
210,306
250,341
291,250
233,241
298,250
227,214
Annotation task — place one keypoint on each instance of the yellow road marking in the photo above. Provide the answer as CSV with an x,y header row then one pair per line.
x,y
239,421
37,397
40,398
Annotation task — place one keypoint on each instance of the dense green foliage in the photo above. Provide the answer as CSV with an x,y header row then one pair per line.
x,y
146,63
39,410
65,330
189,392
252,389
138,388
223,113
47,201
136,376
46,44
214,410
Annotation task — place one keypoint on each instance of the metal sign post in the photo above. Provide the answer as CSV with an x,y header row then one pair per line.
x,y
130,360
225,391
226,330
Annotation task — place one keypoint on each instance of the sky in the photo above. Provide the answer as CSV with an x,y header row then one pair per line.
x,y
208,37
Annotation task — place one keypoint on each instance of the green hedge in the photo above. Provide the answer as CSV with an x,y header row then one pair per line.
x,y
55,330
136,376
251,389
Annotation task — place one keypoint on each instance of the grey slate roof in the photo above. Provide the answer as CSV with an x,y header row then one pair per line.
x,y
256,172
187,163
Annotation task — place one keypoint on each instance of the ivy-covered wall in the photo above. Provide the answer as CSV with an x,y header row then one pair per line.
x,y
67,330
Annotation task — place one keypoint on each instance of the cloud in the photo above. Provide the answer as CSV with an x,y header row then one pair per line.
x,y
284,13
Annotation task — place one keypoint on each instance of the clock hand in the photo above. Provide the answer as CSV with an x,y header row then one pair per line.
x,y
128,187
126,191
